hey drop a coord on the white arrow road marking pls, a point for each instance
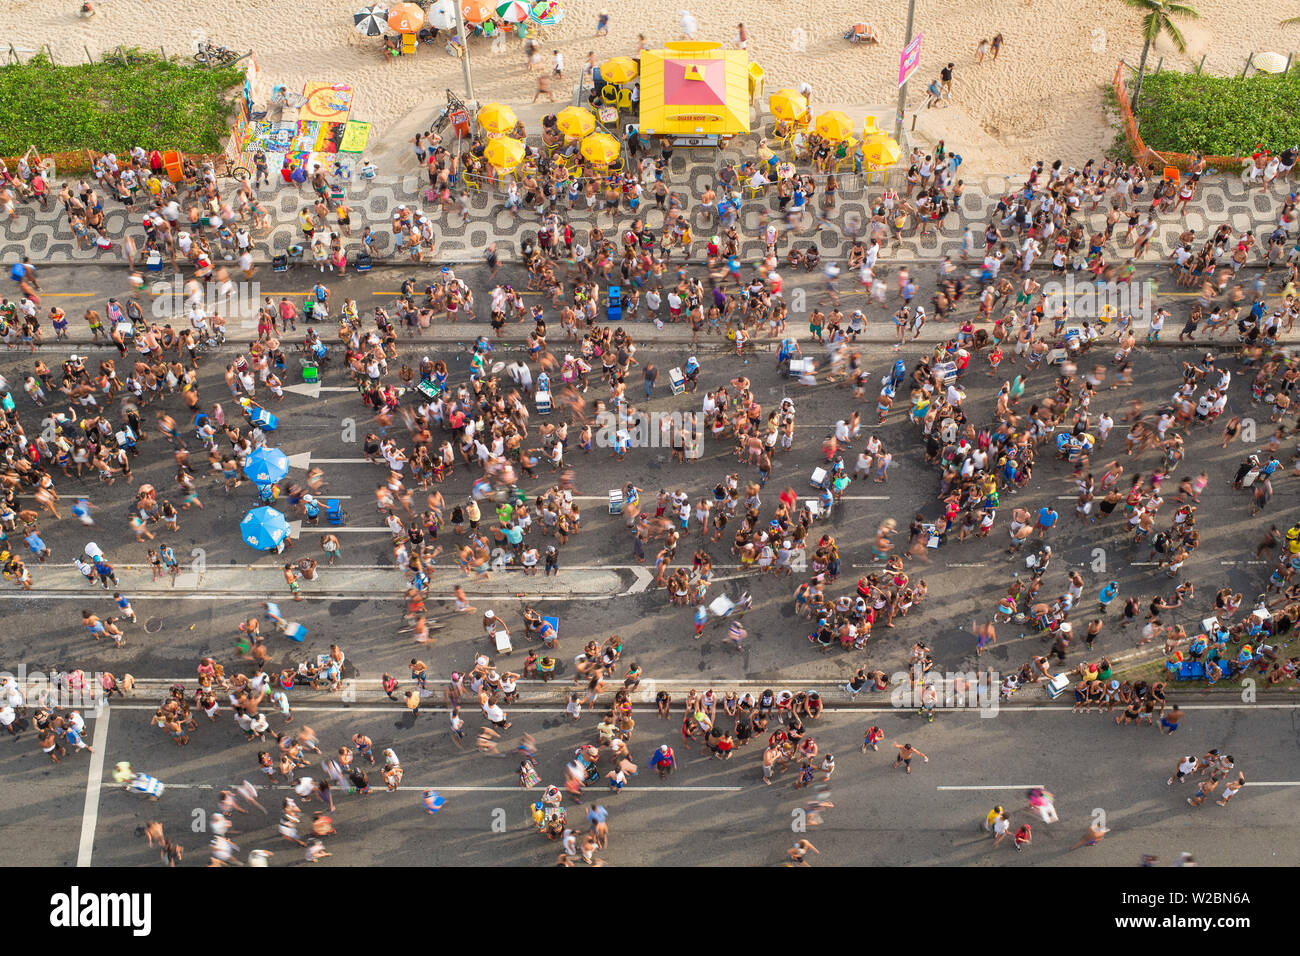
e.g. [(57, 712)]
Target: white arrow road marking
[(94, 779), (643, 579)]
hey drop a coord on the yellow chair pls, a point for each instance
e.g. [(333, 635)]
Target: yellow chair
[(609, 94), (409, 42), (751, 190)]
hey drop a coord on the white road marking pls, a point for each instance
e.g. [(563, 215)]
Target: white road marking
[(94, 780), (999, 786), (447, 789)]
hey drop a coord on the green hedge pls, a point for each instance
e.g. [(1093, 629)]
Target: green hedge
[(111, 106), (1220, 116)]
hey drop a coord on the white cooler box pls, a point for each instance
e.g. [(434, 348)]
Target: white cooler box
[(676, 380), (818, 478), (1058, 686), (616, 501), (543, 400)]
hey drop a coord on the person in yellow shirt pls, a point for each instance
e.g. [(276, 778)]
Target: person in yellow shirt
[(990, 818)]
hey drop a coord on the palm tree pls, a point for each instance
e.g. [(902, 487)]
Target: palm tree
[(1292, 20), (1156, 22)]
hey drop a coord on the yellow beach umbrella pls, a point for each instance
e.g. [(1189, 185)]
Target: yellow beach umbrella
[(880, 150), (787, 104), (575, 122), (834, 125), (600, 148), (497, 118), (619, 69), (504, 153)]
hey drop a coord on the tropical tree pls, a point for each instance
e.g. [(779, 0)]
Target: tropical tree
[(1158, 20)]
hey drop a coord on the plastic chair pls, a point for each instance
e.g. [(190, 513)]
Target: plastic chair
[(609, 95), (625, 99)]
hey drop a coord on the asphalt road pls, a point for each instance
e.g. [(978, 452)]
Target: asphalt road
[(356, 606)]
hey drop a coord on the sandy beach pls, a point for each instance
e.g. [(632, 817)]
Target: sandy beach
[(1041, 99)]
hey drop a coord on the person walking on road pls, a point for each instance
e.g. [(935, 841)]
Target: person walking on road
[(905, 754)]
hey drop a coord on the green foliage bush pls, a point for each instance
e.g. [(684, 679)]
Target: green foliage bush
[(1219, 116), (111, 106)]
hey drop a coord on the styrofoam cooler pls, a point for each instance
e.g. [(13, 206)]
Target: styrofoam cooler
[(263, 419), (818, 478), (676, 380), (616, 501), (799, 366), (295, 631), (1057, 686), (721, 606), (502, 637), (543, 402)]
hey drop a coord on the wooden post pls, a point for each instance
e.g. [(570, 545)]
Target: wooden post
[(1287, 68), (1200, 65), (1249, 60), (89, 59)]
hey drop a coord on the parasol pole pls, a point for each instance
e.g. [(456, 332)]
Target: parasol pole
[(902, 90), (464, 58)]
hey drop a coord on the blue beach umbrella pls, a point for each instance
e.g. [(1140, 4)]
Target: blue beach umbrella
[(266, 466), (264, 529)]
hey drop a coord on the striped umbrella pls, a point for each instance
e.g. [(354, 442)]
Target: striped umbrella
[(513, 11), (372, 21), (547, 12)]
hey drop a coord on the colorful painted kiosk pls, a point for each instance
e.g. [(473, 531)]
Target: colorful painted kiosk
[(697, 94)]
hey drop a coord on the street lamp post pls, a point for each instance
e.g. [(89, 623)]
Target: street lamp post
[(902, 90), (464, 53)]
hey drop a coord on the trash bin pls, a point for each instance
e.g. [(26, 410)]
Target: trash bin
[(174, 166)]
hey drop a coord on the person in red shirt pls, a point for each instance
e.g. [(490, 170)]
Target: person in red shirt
[(1023, 836), (40, 190)]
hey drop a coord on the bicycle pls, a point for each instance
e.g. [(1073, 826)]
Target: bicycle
[(212, 54), (226, 169)]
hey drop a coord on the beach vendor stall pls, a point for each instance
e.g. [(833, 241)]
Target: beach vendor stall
[(697, 94)]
